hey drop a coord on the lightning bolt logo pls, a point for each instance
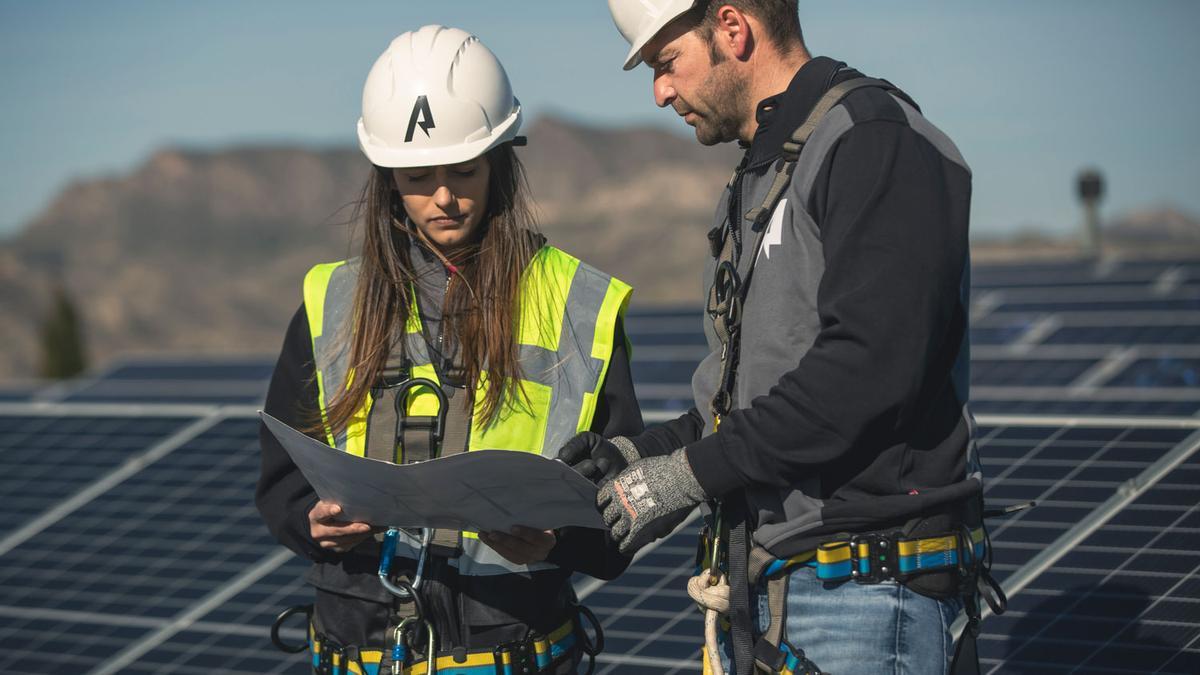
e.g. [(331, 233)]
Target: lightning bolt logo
[(774, 230), (421, 116)]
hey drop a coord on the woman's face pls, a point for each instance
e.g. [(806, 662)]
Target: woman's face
[(447, 202)]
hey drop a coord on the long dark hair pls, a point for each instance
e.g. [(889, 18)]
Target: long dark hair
[(481, 306)]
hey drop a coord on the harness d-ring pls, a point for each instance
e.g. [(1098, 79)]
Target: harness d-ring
[(439, 423), (286, 614)]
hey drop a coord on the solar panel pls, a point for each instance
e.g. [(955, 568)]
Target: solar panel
[(153, 545), (45, 459), (62, 642), (232, 652), (229, 381), (1028, 372), (1068, 470), (1164, 371), (1084, 407), (1150, 302), (249, 614), (169, 568), (234, 636), (650, 623), (18, 393), (1126, 335), (1126, 599), (1067, 273)]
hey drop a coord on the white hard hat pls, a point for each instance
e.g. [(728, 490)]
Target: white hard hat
[(436, 96), (639, 20)]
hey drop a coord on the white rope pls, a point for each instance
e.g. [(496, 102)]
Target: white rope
[(712, 595)]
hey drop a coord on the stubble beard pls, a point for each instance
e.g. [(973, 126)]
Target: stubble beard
[(721, 99)]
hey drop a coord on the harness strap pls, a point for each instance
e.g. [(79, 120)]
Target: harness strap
[(739, 590), (381, 422), (538, 654), (832, 97), (448, 543)]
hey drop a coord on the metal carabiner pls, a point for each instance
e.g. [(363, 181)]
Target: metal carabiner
[(431, 656), (399, 651), (714, 561), (388, 553), (727, 282)]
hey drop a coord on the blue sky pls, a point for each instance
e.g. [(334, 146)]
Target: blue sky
[(1031, 90)]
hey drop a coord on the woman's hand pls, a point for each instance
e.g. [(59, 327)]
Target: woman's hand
[(331, 533), (521, 545)]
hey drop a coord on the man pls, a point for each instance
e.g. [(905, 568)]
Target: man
[(831, 412)]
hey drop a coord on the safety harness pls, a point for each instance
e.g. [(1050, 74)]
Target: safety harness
[(416, 648), (728, 565), (408, 654)]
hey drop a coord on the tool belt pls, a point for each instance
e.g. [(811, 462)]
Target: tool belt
[(535, 654)]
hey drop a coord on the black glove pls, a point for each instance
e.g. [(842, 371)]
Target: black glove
[(598, 458)]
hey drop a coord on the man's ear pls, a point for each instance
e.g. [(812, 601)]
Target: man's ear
[(732, 32)]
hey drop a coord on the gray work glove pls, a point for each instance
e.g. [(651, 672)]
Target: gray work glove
[(599, 459), (649, 499)]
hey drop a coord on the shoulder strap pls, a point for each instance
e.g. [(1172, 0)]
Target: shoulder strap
[(794, 145)]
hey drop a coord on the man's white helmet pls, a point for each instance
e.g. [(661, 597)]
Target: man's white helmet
[(639, 20), (436, 96)]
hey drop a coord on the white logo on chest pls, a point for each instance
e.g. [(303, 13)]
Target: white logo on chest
[(774, 236)]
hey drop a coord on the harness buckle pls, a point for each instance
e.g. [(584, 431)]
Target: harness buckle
[(522, 654), (327, 664), (881, 560)]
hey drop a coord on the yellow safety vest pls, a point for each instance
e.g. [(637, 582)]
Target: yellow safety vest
[(567, 316)]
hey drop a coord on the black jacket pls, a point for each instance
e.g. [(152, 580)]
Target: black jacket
[(850, 412)]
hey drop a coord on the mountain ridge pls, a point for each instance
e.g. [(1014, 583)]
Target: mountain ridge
[(204, 250)]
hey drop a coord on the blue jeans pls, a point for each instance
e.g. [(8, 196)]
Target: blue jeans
[(851, 629)]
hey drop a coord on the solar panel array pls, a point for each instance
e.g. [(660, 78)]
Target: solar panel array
[(137, 547)]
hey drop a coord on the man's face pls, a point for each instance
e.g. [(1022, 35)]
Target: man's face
[(699, 81)]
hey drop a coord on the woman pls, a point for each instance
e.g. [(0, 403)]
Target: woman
[(453, 292)]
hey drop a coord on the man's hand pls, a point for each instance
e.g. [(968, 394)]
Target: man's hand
[(649, 499), (331, 533), (598, 458), (522, 545)]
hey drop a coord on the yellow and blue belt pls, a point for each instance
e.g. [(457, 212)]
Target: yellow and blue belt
[(876, 557), (502, 660)]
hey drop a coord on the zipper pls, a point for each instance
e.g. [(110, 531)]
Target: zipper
[(442, 323), (735, 208)]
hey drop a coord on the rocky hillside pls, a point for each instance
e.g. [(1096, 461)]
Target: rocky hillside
[(204, 251)]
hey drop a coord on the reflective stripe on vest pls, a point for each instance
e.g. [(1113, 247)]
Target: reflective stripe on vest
[(568, 313)]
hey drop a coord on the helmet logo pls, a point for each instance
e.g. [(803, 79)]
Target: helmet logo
[(421, 115)]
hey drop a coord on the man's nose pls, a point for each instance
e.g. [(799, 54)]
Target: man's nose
[(664, 93)]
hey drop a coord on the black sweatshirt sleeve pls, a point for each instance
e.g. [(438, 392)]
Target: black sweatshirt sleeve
[(283, 496), (894, 258), (665, 438), (590, 551)]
